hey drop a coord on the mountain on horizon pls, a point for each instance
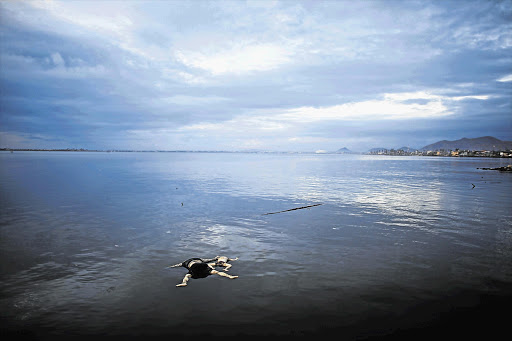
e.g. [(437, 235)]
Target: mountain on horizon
[(407, 149), (479, 143), (376, 150), (344, 150)]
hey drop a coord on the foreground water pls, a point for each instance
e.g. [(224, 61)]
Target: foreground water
[(399, 244)]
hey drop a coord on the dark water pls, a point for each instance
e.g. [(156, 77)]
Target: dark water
[(400, 246)]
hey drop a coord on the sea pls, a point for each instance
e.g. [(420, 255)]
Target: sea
[(395, 246)]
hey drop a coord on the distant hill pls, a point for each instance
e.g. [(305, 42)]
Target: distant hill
[(407, 149), (344, 150), (479, 143)]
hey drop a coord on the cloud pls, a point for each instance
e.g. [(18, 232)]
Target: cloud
[(53, 66), (238, 59), (392, 106), (106, 19), (8, 139), (24, 140), (301, 128), (184, 76), (478, 97), (213, 75), (507, 78), (57, 59), (241, 125), (186, 100)]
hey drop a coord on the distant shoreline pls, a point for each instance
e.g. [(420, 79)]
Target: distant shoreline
[(486, 154)]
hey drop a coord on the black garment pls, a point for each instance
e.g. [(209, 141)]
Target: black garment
[(197, 270), (188, 261)]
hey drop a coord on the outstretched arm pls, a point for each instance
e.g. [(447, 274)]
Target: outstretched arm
[(175, 265), (185, 280), (231, 259), (223, 274)]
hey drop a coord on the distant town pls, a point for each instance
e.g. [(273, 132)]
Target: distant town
[(442, 152), (486, 146)]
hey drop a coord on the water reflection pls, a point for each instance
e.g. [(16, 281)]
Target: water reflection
[(92, 257), (408, 206), (309, 179)]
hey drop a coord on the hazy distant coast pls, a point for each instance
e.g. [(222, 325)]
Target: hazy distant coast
[(486, 146), (446, 153)]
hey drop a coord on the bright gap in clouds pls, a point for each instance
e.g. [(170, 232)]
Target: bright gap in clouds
[(396, 106), (238, 59), (393, 106), (507, 78)]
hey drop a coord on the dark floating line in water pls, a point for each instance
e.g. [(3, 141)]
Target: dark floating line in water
[(501, 169), (293, 209)]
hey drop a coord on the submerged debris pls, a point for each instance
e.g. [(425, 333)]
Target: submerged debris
[(293, 209)]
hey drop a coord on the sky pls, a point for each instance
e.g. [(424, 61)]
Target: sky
[(253, 75)]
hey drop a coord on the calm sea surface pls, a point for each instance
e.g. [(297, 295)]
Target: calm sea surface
[(399, 244)]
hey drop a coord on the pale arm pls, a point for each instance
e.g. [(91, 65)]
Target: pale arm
[(185, 280), (223, 274)]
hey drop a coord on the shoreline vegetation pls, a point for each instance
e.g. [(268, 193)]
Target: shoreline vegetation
[(388, 152)]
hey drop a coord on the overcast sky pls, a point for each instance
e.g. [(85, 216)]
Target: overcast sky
[(245, 75)]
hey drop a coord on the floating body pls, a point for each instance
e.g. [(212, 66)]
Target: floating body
[(201, 268)]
